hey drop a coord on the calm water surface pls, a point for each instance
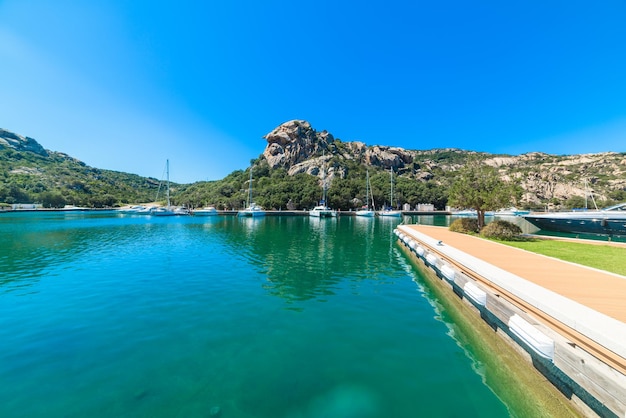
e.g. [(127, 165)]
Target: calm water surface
[(107, 315)]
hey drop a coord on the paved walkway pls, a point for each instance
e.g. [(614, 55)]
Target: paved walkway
[(601, 291)]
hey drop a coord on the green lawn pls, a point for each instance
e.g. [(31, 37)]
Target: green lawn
[(603, 257)]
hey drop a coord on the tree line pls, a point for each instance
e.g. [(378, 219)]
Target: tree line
[(276, 189)]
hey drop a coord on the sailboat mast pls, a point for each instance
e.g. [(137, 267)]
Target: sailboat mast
[(367, 189), (250, 189), (323, 202), (391, 180), (167, 170)]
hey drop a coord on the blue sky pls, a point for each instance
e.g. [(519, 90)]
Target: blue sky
[(125, 85)]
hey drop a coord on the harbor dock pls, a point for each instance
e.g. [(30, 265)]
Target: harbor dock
[(568, 319)]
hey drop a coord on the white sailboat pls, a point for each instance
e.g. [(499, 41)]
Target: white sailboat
[(321, 210), (367, 212), (252, 209), (389, 211), (165, 211)]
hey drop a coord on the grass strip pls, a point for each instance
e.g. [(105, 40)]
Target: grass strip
[(599, 256)]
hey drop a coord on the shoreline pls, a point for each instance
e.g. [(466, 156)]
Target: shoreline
[(219, 212)]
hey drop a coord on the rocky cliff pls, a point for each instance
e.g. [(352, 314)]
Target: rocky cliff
[(297, 147), (20, 143)]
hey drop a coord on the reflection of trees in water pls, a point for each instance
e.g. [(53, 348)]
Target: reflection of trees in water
[(305, 258), (296, 254)]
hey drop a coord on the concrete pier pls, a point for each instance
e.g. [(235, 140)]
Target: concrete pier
[(568, 319)]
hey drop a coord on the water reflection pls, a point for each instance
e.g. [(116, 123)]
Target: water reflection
[(307, 258)]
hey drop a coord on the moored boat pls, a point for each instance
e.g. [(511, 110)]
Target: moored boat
[(162, 211), (321, 210), (168, 210), (512, 211), (609, 221), (252, 209), (389, 211), (205, 211), (365, 211), (133, 210)]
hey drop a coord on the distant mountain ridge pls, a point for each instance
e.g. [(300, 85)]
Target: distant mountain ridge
[(295, 148)]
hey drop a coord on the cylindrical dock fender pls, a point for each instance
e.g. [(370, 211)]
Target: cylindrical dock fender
[(475, 293), (431, 259), (448, 272), (535, 339)]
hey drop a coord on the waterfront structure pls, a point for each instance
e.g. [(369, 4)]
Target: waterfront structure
[(569, 319)]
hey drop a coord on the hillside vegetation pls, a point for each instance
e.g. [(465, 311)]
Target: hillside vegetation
[(295, 165), (276, 189), (56, 179)]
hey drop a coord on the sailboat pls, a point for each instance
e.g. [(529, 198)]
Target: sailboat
[(367, 212), (252, 209), (389, 211), (321, 210), (166, 211)]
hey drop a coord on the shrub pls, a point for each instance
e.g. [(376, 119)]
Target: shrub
[(503, 230), (465, 225)]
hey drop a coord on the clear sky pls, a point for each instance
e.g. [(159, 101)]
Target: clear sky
[(125, 85)]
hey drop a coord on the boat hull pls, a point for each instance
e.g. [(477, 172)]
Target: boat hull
[(390, 213), (582, 225), (322, 212), (205, 212), (250, 213)]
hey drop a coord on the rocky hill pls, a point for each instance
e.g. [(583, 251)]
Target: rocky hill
[(298, 148), (20, 143)]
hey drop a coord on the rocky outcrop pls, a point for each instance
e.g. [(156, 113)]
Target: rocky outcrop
[(298, 148), (294, 142), (545, 177), (20, 143), (388, 157)]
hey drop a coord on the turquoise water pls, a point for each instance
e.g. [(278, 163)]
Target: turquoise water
[(107, 315)]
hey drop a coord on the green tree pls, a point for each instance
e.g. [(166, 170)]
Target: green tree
[(480, 187), (52, 200), (575, 202)]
